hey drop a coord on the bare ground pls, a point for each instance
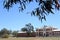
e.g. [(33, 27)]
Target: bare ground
[(31, 38)]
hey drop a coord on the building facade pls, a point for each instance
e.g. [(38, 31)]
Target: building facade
[(46, 31), (24, 34)]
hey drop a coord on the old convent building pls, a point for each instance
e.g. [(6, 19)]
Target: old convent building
[(46, 31)]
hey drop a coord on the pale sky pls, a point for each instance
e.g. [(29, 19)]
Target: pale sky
[(15, 20)]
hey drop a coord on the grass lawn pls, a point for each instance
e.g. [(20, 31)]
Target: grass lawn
[(31, 38)]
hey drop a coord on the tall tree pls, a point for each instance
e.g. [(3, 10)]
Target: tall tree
[(4, 31), (14, 33), (24, 29), (45, 6), (28, 28)]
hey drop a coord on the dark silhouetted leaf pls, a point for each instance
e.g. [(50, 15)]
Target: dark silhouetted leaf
[(45, 6)]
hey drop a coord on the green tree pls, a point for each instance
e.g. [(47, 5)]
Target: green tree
[(14, 33), (44, 8), (28, 28), (4, 31), (0, 33), (24, 29)]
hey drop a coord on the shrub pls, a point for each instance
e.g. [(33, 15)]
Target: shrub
[(5, 36)]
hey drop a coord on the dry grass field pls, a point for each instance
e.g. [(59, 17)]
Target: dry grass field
[(31, 38)]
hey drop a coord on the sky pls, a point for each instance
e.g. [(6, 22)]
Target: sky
[(15, 20)]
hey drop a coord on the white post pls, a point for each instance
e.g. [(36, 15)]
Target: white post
[(44, 31), (38, 32)]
